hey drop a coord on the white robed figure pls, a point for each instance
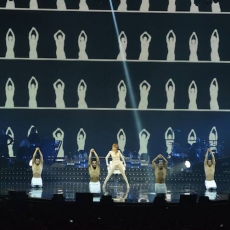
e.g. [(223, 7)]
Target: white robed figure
[(122, 40), (144, 6), (193, 47), (9, 89), (169, 140), (145, 40), (33, 89), (144, 93), (82, 40), (29, 130), (214, 42), (33, 4), (193, 7), (10, 133), (214, 95), (10, 4), (216, 7), (213, 139), (10, 42), (61, 5), (144, 136), (122, 6), (171, 44), (59, 87), (192, 137), (58, 135), (81, 137), (171, 5), (192, 94), (33, 42), (121, 139), (83, 5), (59, 38), (122, 91), (81, 91), (170, 93)]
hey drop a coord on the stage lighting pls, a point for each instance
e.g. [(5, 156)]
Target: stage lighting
[(187, 164)]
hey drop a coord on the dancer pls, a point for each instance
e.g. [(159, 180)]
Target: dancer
[(144, 136), (37, 166), (215, 46), (59, 87), (58, 134), (213, 138), (145, 39), (5, 140), (82, 40), (122, 6), (61, 5), (193, 46), (192, 94), (214, 95), (122, 41), (144, 6), (193, 7), (33, 89), (116, 163), (216, 7), (122, 91), (33, 137), (169, 140), (170, 93), (192, 137), (144, 93), (160, 171), (94, 172), (209, 169), (10, 42), (33, 42), (83, 5), (81, 137), (171, 44), (10, 4), (121, 139), (33, 4), (9, 89), (81, 91), (59, 38), (10, 133), (172, 6)]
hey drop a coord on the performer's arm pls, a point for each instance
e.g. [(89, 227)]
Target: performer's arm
[(206, 157), (154, 162), (106, 158), (166, 162), (90, 157), (213, 158), (41, 156), (34, 155), (97, 157), (123, 159)]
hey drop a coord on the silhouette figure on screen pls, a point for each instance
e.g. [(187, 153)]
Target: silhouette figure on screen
[(216, 7), (144, 136), (170, 93), (81, 91), (58, 135), (122, 91), (61, 5), (121, 139), (169, 140), (5, 140), (31, 129), (33, 42), (122, 40), (122, 6), (193, 46), (172, 6), (171, 44), (33, 4), (83, 5), (10, 143), (82, 40), (59, 87), (192, 94), (9, 89), (10, 42), (59, 38), (144, 6), (33, 138), (145, 39), (214, 95), (33, 89), (10, 4), (192, 137), (144, 93), (193, 7), (215, 46), (213, 139), (81, 137)]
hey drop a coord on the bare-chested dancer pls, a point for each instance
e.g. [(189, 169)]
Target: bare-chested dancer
[(37, 166)]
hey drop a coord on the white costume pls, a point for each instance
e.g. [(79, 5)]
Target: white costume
[(160, 188), (36, 182), (95, 187), (210, 184)]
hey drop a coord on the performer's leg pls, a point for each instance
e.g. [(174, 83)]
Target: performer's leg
[(120, 166), (112, 169)]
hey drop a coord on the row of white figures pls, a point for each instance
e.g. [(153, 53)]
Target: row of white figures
[(144, 87), (215, 6)]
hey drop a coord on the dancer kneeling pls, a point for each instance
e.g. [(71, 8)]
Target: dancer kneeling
[(37, 166), (116, 163)]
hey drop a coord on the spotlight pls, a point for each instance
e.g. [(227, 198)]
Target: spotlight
[(187, 164)]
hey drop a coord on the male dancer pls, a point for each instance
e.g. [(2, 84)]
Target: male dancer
[(37, 166)]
